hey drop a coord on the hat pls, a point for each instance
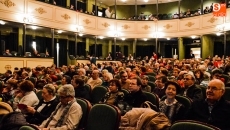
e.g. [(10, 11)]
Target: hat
[(5, 108)]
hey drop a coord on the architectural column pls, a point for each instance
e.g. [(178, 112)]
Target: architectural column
[(122, 49), (20, 36), (87, 46), (24, 39), (181, 48), (207, 46), (134, 47), (105, 50), (110, 46), (68, 3)]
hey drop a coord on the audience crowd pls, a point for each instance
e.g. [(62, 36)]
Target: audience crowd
[(46, 96)]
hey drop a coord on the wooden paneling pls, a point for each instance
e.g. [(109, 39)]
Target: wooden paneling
[(126, 26), (87, 21), (189, 23), (42, 10), (62, 15), (12, 5), (210, 21), (168, 25), (143, 26)]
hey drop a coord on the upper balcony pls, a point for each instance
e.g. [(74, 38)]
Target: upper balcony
[(42, 14)]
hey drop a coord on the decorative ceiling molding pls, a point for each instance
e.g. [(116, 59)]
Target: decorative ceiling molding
[(65, 16), (212, 20), (189, 24), (105, 25), (8, 3), (126, 26), (40, 10), (167, 26), (146, 27), (86, 21)]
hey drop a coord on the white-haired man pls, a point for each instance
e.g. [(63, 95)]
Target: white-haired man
[(67, 114)]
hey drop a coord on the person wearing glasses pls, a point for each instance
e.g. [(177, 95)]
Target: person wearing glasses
[(67, 114), (124, 79), (214, 109), (190, 89)]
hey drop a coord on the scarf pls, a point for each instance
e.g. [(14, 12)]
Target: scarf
[(60, 121)]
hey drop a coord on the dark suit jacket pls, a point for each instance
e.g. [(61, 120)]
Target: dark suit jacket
[(219, 116), (39, 117), (193, 92), (135, 99)]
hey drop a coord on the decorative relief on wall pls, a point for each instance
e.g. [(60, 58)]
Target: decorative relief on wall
[(40, 10), (8, 67), (7, 3), (167, 26), (125, 26), (146, 27), (212, 20), (65, 16), (189, 24), (105, 25), (86, 21)]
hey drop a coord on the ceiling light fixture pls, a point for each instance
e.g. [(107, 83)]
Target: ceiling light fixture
[(193, 37), (218, 34), (59, 31), (146, 0), (2, 22), (101, 37), (80, 34), (34, 27), (122, 39), (145, 39), (168, 38)]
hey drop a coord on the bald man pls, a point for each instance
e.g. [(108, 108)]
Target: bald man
[(94, 80), (214, 110)]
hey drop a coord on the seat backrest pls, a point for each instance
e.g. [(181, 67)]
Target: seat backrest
[(227, 93), (151, 97), (98, 93), (89, 89), (125, 91), (192, 125), (152, 85), (151, 78), (86, 107), (203, 89), (103, 117)]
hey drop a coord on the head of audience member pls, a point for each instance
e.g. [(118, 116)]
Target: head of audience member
[(171, 89), (7, 51), (107, 77), (215, 90), (95, 74), (135, 84), (189, 80), (8, 73), (66, 94), (124, 76), (24, 75), (160, 81), (81, 72), (144, 80), (12, 84), (26, 86), (176, 72), (76, 82), (114, 85), (48, 92), (163, 72), (128, 70), (66, 80), (198, 74), (217, 73)]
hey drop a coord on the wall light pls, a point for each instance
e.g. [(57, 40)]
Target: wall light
[(122, 39), (34, 27), (168, 38), (2, 22), (59, 31), (193, 37), (145, 39), (80, 34), (101, 37), (218, 34)]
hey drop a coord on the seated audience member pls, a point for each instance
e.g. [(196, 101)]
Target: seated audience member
[(160, 86), (80, 90), (173, 109), (45, 107), (114, 95), (9, 90), (35, 53), (106, 78), (199, 76), (7, 53), (214, 109), (67, 114), (94, 80), (26, 95), (206, 10), (136, 97), (145, 86), (7, 76), (190, 89), (125, 82)]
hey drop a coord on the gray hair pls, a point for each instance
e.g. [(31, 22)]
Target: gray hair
[(193, 77), (51, 89), (82, 70), (67, 90)]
